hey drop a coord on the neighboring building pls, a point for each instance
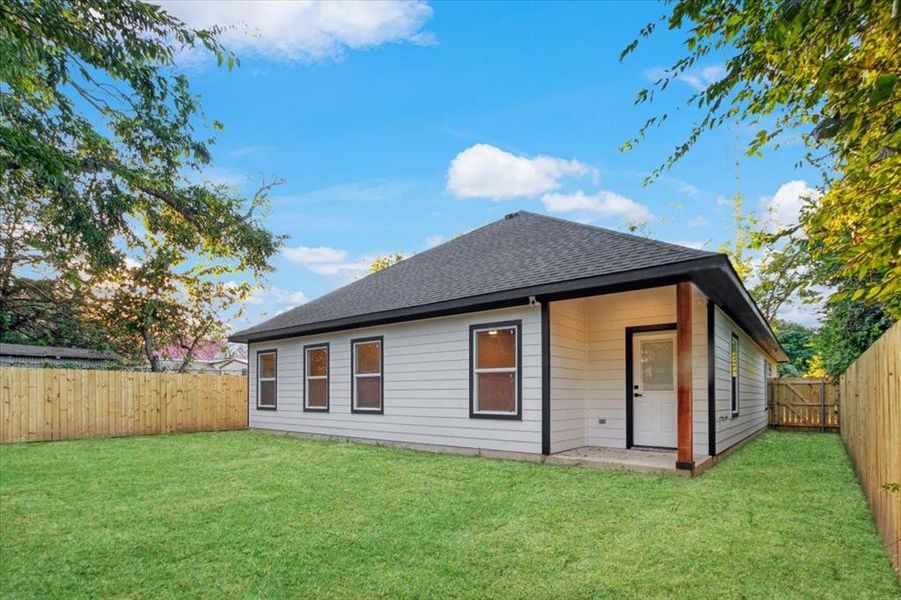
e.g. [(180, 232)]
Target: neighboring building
[(23, 355), (529, 335), (210, 356)]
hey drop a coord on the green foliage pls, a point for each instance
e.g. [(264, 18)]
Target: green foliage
[(98, 131), (244, 514), (102, 151), (43, 312), (797, 340), (828, 69), (383, 262), (739, 249), (847, 330)]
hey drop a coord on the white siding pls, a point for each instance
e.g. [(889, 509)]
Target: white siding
[(751, 384), (599, 323), (569, 365), (426, 386)]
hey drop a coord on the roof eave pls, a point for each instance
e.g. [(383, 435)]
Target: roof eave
[(665, 274)]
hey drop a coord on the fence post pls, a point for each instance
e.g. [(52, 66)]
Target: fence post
[(822, 405)]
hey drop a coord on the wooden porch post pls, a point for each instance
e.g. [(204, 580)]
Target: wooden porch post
[(685, 442)]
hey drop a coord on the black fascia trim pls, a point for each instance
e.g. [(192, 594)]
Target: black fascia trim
[(275, 406), (545, 377), (353, 362), (622, 281), (630, 376), (711, 378), (749, 300), (517, 416), (328, 378)]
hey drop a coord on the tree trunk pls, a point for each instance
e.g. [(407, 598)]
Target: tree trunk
[(152, 356)]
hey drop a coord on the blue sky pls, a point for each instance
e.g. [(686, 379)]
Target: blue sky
[(398, 125)]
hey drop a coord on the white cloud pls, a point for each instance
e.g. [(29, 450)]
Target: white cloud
[(783, 209), (698, 221), (310, 30), (688, 243), (805, 314), (324, 260), (698, 79), (721, 200), (434, 240), (304, 255), (602, 203), (484, 171), (276, 296)]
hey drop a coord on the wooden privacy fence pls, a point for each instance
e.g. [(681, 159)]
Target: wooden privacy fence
[(63, 404), (871, 431), (803, 402)]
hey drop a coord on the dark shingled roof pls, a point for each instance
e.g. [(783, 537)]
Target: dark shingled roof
[(522, 251), (56, 352)]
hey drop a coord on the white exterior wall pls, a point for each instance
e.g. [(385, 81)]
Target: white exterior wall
[(609, 317), (569, 371), (426, 378), (751, 384), (426, 386)]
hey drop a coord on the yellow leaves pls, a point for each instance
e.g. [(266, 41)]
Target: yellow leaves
[(816, 368)]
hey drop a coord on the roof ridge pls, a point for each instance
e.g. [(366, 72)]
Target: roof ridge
[(621, 234)]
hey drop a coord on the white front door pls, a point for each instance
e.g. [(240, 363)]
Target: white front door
[(654, 389)]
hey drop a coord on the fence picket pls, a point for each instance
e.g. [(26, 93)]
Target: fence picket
[(871, 431), (56, 404)]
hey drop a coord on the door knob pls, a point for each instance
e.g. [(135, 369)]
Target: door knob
[(636, 395)]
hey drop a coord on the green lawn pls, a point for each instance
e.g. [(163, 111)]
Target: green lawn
[(249, 514)]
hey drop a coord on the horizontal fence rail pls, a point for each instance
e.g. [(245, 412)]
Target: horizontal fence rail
[(803, 402), (871, 431), (63, 404)]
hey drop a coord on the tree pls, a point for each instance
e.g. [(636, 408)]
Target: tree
[(847, 330), (739, 250), (797, 340), (165, 302), (829, 69), (383, 262), (103, 147), (99, 133)]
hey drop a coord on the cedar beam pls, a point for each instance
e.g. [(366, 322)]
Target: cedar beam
[(685, 441)]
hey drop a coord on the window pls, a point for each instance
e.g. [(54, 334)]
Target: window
[(316, 382), (733, 372), (366, 370), (267, 379), (495, 352)]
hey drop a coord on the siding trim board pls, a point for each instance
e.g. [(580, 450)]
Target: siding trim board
[(545, 377), (353, 342), (328, 378), (256, 377), (711, 378), (630, 376), (473, 414)]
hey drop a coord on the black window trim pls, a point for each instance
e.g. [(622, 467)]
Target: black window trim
[(257, 377), (328, 377), (353, 375), (517, 325), (735, 397)]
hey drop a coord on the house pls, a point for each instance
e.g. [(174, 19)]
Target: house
[(528, 337), (209, 356), (25, 355)]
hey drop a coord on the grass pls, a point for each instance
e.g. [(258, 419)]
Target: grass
[(250, 514)]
